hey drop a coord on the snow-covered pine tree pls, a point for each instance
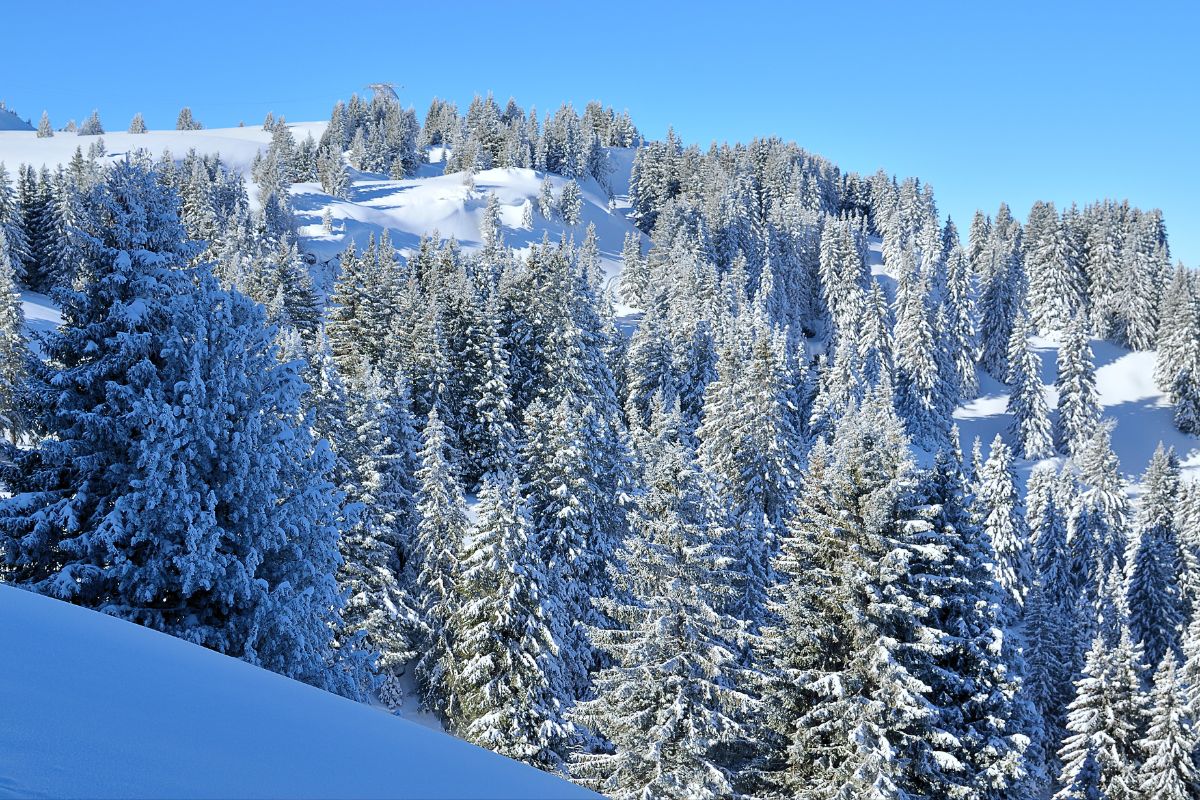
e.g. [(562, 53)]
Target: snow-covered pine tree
[(1051, 611), (13, 350), (919, 384), (848, 713), (1078, 400), (137, 124), (505, 637), (185, 121), (960, 318), (44, 129), (669, 708), (1171, 743), (91, 126), (380, 441), (570, 203), (437, 547), (177, 485), (1055, 282), (1030, 427), (998, 509), (980, 740), (1107, 716), (748, 449), (1002, 290), (1158, 608)]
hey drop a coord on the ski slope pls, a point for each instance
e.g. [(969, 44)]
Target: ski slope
[(93, 706)]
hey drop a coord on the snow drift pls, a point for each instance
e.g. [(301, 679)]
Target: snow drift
[(93, 706)]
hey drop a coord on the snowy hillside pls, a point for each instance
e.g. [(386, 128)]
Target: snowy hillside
[(407, 209), (9, 121), (1127, 391), (97, 707)]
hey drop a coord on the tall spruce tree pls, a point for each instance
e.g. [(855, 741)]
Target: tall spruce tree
[(669, 709), (1078, 400)]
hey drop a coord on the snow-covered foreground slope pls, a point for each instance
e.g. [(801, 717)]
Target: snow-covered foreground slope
[(92, 706)]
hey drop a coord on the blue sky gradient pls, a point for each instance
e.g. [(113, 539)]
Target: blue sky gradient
[(986, 101)]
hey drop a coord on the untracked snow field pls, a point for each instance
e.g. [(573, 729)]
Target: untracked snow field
[(93, 706)]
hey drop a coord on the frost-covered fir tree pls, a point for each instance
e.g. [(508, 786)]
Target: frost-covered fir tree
[(1056, 286), (1051, 613), (185, 121), (1078, 400), (1002, 289), (1030, 427), (437, 546), (1171, 743), (13, 352), (748, 450), (960, 319), (137, 124), (44, 129), (1104, 497), (177, 484), (91, 126), (845, 699), (506, 630), (546, 198), (919, 381), (380, 446), (1105, 720), (669, 710), (998, 507), (570, 203), (1158, 608)]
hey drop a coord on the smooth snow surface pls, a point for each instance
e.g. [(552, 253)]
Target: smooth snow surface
[(9, 121), (93, 706)]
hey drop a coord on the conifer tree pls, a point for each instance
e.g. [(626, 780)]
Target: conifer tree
[(1026, 403), (570, 203), (137, 124), (1106, 717), (13, 352), (44, 129), (1171, 742), (380, 446), (437, 544), (848, 711), (1055, 282), (505, 637), (91, 126), (960, 319), (1157, 606), (176, 484), (669, 705), (996, 494), (919, 385), (185, 121), (1078, 401)]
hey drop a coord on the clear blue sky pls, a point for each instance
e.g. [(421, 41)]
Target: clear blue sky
[(986, 101)]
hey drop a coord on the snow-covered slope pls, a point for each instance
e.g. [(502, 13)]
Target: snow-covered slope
[(237, 146), (407, 209), (9, 121), (92, 706), (1142, 413)]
